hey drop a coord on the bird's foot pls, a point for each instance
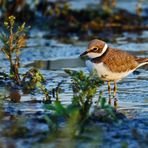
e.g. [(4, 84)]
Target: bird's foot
[(115, 102), (109, 101)]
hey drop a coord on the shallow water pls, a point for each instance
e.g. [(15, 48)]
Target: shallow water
[(52, 57)]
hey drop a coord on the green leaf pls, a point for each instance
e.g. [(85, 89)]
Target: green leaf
[(60, 109), (50, 107)]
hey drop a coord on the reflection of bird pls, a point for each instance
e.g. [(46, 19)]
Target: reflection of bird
[(112, 64)]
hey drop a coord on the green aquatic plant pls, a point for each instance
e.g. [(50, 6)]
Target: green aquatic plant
[(81, 109), (56, 91), (33, 79), (84, 88), (13, 40)]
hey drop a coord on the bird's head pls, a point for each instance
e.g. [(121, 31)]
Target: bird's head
[(96, 48)]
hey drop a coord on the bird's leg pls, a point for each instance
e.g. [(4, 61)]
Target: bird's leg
[(115, 91), (109, 92)]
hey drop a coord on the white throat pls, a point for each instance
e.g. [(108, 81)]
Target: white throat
[(95, 55)]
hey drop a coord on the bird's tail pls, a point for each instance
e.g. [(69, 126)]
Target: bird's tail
[(142, 61)]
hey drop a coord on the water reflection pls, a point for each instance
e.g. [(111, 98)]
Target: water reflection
[(58, 63)]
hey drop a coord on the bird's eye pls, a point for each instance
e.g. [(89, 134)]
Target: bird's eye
[(95, 49)]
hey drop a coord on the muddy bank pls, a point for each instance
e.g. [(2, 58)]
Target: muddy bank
[(63, 20)]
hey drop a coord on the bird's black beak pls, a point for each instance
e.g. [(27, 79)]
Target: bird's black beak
[(84, 53)]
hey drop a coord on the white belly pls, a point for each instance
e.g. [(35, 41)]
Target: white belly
[(105, 74)]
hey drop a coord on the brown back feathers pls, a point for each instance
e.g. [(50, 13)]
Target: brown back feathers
[(117, 60)]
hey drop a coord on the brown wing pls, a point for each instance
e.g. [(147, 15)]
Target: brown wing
[(119, 61), (142, 60)]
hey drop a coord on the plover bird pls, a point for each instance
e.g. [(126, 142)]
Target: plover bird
[(112, 64)]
